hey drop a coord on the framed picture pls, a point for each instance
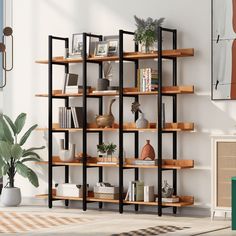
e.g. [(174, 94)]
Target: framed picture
[(101, 49), (223, 41), (77, 44), (113, 44)]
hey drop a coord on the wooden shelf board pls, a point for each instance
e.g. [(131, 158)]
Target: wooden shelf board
[(127, 55), (184, 201), (132, 91), (167, 164)]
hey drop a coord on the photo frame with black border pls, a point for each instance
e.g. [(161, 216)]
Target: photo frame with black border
[(113, 44), (101, 49), (77, 44)]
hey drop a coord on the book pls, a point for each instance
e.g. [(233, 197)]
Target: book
[(148, 193), (105, 91), (145, 162), (136, 191)]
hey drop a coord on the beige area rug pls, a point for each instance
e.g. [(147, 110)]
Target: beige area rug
[(60, 221)]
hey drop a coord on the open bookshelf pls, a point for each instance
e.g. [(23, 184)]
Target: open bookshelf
[(173, 163)]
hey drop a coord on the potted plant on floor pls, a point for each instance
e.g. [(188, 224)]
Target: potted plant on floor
[(13, 157)]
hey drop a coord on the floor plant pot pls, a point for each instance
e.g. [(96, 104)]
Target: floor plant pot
[(11, 197)]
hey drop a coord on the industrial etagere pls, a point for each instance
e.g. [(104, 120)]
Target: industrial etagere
[(85, 130)]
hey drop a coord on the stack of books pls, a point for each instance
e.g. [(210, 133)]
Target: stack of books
[(145, 162), (135, 191), (172, 199), (147, 80), (70, 117)]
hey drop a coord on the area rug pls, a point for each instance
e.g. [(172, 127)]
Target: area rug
[(152, 231), (20, 222)]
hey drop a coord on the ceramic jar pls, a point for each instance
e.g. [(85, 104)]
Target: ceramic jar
[(102, 84), (141, 122), (148, 151), (66, 155)]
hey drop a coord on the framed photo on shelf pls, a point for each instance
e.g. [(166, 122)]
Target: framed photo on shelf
[(113, 44), (101, 49), (77, 44)]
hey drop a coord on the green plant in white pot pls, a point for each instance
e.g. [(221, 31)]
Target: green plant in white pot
[(13, 157)]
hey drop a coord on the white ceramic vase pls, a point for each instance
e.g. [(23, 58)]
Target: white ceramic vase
[(141, 122), (11, 197), (67, 155)]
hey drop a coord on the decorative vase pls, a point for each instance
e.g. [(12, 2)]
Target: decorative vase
[(11, 197), (167, 191), (147, 47), (141, 122), (67, 155), (148, 151), (102, 84)]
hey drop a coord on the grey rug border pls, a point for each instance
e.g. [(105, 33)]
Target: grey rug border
[(211, 231)]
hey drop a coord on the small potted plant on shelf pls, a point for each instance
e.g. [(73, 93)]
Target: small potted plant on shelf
[(13, 157), (146, 32), (111, 148)]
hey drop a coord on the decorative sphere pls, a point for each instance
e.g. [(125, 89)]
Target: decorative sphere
[(7, 31)]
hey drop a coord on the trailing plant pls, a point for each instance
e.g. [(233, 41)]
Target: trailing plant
[(146, 32), (13, 156)]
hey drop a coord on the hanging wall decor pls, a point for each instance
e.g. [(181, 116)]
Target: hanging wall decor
[(223, 84), (7, 52)]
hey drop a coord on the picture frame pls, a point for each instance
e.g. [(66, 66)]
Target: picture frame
[(113, 44), (77, 44), (71, 82), (101, 49)]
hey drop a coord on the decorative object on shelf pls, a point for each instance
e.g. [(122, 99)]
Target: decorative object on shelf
[(147, 151), (71, 83), (113, 44), (106, 150), (148, 193), (103, 83), (101, 49), (106, 191), (146, 32), (107, 120), (70, 190), (167, 190), (147, 80), (13, 157), (66, 155), (77, 45), (141, 122)]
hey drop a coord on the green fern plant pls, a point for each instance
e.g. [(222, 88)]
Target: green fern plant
[(146, 32), (12, 154)]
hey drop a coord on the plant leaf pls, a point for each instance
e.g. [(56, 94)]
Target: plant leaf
[(33, 178), (30, 150), (27, 134), (30, 159), (4, 169), (20, 122), (5, 150), (33, 154), (10, 122), (7, 135), (22, 169), (16, 151)]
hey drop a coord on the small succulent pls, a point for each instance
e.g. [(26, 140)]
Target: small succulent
[(111, 147), (106, 148), (101, 148), (135, 107), (146, 32)]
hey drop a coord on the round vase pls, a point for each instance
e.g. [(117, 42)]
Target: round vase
[(11, 197), (148, 151), (102, 84), (141, 122)]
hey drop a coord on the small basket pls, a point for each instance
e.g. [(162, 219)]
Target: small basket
[(107, 196)]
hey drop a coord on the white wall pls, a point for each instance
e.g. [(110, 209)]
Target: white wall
[(34, 20)]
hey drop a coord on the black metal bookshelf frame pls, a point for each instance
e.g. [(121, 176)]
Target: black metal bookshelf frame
[(160, 131)]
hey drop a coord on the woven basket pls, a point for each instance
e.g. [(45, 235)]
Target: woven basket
[(107, 196)]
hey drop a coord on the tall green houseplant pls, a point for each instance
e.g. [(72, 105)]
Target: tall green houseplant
[(13, 157)]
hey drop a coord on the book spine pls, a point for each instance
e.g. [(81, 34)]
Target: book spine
[(130, 191)]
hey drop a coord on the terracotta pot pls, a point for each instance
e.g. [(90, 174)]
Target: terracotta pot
[(148, 151)]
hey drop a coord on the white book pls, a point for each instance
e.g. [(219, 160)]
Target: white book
[(127, 194), (75, 120), (105, 91)]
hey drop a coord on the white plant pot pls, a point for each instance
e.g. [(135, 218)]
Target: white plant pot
[(11, 197)]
